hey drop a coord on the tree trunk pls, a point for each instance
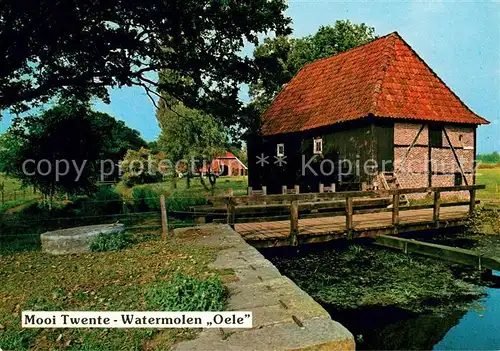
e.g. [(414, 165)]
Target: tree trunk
[(51, 197), (212, 179), (202, 181)]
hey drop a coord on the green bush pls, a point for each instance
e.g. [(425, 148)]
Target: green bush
[(187, 293), (178, 203), (105, 201), (110, 242), (133, 174), (145, 199), (484, 221)]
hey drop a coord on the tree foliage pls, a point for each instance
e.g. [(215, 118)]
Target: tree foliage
[(82, 47), (59, 150), (142, 167), (494, 157), (190, 135), (121, 138), (280, 58)]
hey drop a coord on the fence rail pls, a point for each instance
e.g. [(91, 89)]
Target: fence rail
[(349, 207)]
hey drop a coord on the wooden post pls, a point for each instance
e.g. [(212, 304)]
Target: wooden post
[(297, 189), (348, 216), (231, 192), (472, 205), (321, 188), (264, 193), (164, 219), (332, 187), (231, 213), (284, 191), (250, 191), (437, 207), (395, 210), (294, 222)]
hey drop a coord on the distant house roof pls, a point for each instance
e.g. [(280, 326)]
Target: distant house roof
[(383, 78), (228, 160), (229, 156)]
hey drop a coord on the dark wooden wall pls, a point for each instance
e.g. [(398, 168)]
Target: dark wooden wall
[(356, 141)]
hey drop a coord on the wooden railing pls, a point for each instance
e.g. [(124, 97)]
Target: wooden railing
[(232, 203)]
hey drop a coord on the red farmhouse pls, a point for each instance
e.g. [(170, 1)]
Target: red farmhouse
[(376, 111)]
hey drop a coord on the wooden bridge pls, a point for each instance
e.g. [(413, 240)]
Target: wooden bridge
[(318, 217)]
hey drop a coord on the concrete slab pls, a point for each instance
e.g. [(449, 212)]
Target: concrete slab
[(315, 334), (284, 316), (234, 258), (256, 274)]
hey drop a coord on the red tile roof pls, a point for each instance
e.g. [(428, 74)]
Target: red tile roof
[(384, 78), (228, 154)]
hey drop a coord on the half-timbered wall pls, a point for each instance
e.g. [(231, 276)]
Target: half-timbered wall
[(352, 141), (412, 155), (419, 154)]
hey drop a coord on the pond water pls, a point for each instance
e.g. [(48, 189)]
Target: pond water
[(390, 328), (476, 329), (393, 327)]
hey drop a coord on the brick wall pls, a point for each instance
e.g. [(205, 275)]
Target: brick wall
[(413, 171), (405, 133)]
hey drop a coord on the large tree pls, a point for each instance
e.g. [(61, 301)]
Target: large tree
[(190, 135), (281, 57), (60, 149), (119, 137), (82, 47)]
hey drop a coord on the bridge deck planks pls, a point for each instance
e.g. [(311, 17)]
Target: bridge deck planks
[(364, 224)]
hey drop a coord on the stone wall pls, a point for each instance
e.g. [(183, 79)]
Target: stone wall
[(284, 316)]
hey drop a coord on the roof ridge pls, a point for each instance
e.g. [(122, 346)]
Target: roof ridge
[(350, 50), (439, 78), (384, 78), (377, 88), (284, 86)]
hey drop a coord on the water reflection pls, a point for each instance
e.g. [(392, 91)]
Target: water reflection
[(391, 328), (477, 330)]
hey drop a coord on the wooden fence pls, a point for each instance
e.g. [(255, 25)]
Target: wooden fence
[(349, 199)]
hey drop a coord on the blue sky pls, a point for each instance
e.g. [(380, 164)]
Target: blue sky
[(459, 40)]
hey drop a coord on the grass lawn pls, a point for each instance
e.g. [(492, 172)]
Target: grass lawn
[(107, 281), (10, 184), (490, 178), (179, 187), (13, 195)]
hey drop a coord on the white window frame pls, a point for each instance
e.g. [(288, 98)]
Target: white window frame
[(282, 153), (317, 142)]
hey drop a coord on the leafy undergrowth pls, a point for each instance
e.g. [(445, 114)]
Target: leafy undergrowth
[(484, 221), (359, 276), (187, 293), (104, 281), (110, 242), (490, 178)]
